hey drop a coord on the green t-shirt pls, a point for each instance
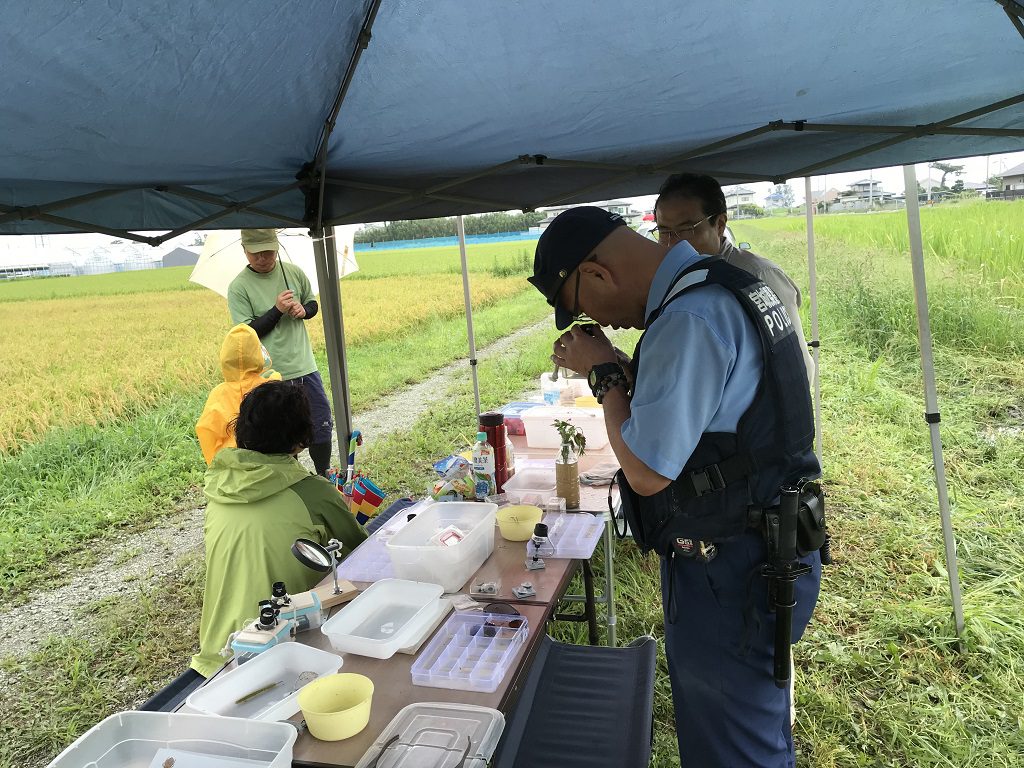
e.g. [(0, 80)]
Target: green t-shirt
[(252, 293)]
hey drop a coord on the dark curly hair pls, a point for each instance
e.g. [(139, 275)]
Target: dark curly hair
[(274, 418), (699, 186)]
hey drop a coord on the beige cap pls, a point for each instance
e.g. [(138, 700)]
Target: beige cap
[(257, 240)]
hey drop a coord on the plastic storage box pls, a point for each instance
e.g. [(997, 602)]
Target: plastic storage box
[(281, 664), (414, 556), (384, 619), (471, 652), (439, 735), (134, 739), (541, 433), (531, 486)]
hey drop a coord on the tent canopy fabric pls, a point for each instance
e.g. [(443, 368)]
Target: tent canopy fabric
[(168, 117)]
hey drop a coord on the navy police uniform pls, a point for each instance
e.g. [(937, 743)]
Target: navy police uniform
[(720, 403)]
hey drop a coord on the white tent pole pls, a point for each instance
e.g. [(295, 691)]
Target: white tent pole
[(812, 269), (931, 399), (461, 229)]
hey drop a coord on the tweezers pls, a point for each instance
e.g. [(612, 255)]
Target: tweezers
[(393, 739)]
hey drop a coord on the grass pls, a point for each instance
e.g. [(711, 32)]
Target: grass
[(113, 284)]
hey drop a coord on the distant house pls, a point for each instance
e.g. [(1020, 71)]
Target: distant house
[(861, 195), (824, 196), (620, 207), (737, 196), (180, 257), (1013, 178)]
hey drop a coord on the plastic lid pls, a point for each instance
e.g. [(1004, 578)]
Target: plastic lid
[(438, 734), (481, 437), (492, 419)]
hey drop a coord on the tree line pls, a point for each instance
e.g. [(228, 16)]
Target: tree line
[(485, 224)]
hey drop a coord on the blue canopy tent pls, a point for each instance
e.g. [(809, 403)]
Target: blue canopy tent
[(129, 118)]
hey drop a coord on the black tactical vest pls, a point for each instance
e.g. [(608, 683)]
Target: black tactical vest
[(729, 474)]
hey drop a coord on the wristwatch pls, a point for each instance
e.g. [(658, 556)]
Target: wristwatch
[(604, 377)]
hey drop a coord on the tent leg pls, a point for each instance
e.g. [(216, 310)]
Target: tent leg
[(930, 394), (326, 254), (812, 269), (461, 229)]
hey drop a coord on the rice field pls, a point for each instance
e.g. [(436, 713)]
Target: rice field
[(90, 358)]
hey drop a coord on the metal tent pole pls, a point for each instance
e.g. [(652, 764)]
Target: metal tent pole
[(930, 395), (461, 229), (812, 269), (334, 332)]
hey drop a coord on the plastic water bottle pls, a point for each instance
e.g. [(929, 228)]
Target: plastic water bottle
[(483, 467)]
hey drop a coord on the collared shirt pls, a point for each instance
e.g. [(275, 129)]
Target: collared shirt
[(699, 369)]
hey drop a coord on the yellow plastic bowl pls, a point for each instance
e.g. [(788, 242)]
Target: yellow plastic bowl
[(516, 522), (336, 707)]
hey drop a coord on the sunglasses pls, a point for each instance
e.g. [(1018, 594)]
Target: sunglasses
[(497, 619)]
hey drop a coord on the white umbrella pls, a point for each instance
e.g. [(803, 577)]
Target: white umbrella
[(222, 257)]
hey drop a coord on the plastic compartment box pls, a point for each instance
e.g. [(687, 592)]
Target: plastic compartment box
[(541, 433), (415, 557), (383, 619), (367, 562), (283, 663), (471, 652), (133, 739), (437, 734), (574, 535), (531, 486)]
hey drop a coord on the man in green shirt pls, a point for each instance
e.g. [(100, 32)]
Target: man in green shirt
[(275, 299)]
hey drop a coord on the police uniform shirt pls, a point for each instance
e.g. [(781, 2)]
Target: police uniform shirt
[(700, 365)]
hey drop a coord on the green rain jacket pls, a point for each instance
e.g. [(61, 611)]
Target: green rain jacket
[(258, 504)]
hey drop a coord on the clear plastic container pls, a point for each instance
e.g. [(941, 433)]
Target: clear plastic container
[(472, 652), (384, 618), (574, 535), (415, 556), (134, 739), (282, 664), (541, 433), (437, 734), (531, 486)]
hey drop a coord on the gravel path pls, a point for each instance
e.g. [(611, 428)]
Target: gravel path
[(151, 555)]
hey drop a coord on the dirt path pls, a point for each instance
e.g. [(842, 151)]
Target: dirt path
[(149, 556)]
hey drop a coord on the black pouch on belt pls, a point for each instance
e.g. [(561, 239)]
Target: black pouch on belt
[(811, 531)]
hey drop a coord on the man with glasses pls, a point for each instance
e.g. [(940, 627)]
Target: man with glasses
[(715, 419), (692, 207)]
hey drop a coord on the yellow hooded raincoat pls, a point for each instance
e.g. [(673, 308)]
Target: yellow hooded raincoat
[(245, 366)]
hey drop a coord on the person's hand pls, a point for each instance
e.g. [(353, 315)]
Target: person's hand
[(284, 301), (297, 311), (580, 350)]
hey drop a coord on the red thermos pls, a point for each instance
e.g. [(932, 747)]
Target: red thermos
[(493, 424)]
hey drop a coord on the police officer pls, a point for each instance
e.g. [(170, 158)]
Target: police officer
[(708, 420)]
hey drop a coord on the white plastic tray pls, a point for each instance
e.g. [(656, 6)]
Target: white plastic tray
[(283, 663), (133, 739), (415, 557), (470, 654), (531, 486), (384, 618)]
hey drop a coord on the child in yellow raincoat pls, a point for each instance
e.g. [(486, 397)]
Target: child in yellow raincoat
[(245, 365)]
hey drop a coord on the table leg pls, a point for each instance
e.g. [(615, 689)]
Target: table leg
[(590, 605), (609, 576)]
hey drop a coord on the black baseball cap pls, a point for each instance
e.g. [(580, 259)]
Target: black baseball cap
[(564, 245)]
